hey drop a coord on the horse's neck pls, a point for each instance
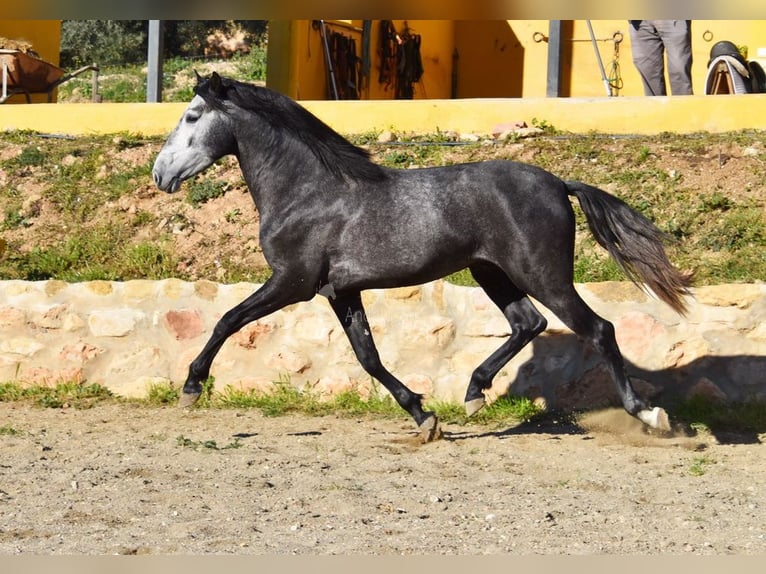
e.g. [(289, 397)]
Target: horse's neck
[(274, 180)]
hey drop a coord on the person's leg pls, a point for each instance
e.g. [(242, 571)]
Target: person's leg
[(648, 57), (677, 37)]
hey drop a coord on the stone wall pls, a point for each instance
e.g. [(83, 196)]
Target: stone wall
[(127, 336)]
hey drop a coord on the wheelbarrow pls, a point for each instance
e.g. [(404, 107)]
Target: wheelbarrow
[(25, 74)]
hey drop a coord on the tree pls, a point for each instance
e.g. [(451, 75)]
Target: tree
[(119, 42)]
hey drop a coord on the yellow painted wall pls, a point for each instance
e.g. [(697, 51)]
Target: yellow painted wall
[(45, 37), (297, 64), (500, 58), (624, 115)]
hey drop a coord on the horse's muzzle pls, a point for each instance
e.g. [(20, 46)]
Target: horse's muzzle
[(170, 185)]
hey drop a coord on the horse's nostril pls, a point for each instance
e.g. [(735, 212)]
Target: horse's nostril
[(156, 177)]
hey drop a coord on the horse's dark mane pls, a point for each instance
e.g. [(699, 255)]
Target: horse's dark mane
[(291, 121)]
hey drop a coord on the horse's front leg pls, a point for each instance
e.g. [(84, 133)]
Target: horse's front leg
[(271, 297)]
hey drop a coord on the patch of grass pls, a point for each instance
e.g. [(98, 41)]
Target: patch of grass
[(721, 230), (148, 260), (94, 253), (505, 410), (11, 391), (462, 278), (30, 156), (66, 394), (6, 430), (283, 399), (351, 403), (14, 217), (716, 201), (699, 413), (202, 190), (251, 67), (700, 465), (123, 87), (544, 125), (644, 153), (162, 394), (128, 83), (593, 266)]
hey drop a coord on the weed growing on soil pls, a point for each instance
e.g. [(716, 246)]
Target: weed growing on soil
[(66, 394), (283, 398), (6, 430), (506, 409), (700, 465), (72, 208)]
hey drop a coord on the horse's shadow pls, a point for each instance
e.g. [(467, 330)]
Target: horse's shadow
[(566, 374)]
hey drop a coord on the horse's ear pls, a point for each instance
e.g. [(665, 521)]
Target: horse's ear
[(199, 78), (216, 84)]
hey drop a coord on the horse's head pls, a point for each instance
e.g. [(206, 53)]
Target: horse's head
[(201, 137)]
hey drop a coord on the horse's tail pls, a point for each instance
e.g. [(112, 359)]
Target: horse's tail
[(634, 242)]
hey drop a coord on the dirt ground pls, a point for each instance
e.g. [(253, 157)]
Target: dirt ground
[(125, 479)]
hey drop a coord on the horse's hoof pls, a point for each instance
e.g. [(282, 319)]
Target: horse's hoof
[(430, 430), (656, 418), (474, 406), (187, 400)]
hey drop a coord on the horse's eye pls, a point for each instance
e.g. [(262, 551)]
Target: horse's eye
[(191, 118)]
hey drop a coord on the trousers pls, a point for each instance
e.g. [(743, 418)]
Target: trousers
[(654, 40)]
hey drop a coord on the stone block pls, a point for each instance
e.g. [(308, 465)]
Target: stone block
[(184, 324), (413, 293), (615, 292), (99, 287), (741, 296), (429, 332), (140, 290), (706, 388), (24, 346), (206, 289), (419, 383), (12, 318), (136, 388), (79, 352), (54, 287), (685, 352), (636, 332), (113, 322), (251, 336), (52, 318), (173, 288), (288, 361)]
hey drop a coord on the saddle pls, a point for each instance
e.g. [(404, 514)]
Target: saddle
[(730, 73)]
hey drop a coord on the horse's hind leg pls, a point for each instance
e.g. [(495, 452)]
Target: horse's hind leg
[(526, 323), (348, 308), (576, 314)]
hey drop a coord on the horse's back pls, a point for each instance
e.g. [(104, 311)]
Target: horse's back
[(425, 223), (497, 192)]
